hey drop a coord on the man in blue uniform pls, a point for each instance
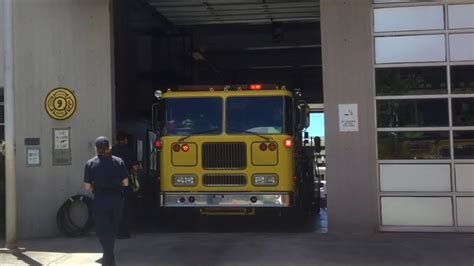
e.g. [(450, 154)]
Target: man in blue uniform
[(123, 151), (105, 175)]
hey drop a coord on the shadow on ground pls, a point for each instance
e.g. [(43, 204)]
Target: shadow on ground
[(185, 222)]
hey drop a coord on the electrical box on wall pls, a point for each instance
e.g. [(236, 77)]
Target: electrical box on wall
[(33, 152)]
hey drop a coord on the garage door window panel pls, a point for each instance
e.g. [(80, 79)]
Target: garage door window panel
[(411, 81), (412, 113), (411, 145), (461, 47), (409, 18), (461, 16), (463, 112), (410, 49), (463, 144), (462, 79)]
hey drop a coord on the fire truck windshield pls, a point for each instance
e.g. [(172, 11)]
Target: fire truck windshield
[(261, 115), (192, 116)]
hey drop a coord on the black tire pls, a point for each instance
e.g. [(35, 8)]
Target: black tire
[(66, 225)]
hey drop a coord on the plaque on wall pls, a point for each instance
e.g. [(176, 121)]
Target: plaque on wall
[(61, 146)]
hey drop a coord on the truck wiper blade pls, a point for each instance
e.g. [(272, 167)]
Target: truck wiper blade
[(256, 134), (197, 133), (249, 132)]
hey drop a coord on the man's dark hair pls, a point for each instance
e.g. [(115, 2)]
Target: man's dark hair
[(122, 135)]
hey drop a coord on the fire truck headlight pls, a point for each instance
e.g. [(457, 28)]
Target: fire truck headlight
[(265, 180), (184, 180)]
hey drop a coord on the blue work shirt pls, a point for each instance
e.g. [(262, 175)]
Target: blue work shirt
[(125, 153), (105, 172)]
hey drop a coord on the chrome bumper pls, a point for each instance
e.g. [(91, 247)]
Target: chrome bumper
[(230, 200)]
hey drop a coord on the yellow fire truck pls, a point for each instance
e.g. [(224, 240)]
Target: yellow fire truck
[(233, 147)]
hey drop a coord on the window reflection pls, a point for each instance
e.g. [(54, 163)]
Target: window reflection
[(460, 16), (410, 49), (412, 113), (263, 115), (462, 79), (411, 81), (463, 112), (408, 18), (413, 145), (463, 144), (461, 47), (192, 116)]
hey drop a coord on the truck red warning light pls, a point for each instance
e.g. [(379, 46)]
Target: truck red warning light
[(256, 87)]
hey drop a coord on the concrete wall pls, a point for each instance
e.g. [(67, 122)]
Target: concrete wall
[(348, 78), (58, 43), (1, 47)]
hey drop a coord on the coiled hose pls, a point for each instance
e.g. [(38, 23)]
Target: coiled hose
[(66, 224)]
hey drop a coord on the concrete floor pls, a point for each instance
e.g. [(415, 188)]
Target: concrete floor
[(251, 241)]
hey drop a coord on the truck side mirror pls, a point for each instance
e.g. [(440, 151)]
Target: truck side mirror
[(302, 116), (306, 115), (317, 144)]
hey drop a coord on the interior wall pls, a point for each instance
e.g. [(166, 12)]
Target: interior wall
[(349, 79), (58, 43)]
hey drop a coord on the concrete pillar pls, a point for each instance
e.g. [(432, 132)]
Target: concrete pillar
[(348, 78), (58, 43), (1, 49)]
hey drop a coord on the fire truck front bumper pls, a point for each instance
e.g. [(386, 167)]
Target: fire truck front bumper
[(231, 200)]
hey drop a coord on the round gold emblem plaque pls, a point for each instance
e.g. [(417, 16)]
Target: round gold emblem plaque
[(60, 103)]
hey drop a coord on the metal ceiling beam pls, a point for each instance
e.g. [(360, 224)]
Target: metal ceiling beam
[(197, 14), (247, 21), (185, 11), (246, 17), (233, 6), (191, 3), (206, 12)]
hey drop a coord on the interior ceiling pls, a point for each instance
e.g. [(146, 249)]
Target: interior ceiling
[(202, 12), (236, 41)]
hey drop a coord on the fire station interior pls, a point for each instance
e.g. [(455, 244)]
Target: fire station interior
[(160, 44)]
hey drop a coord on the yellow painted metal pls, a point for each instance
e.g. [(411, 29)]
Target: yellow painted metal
[(184, 158), (264, 157), (284, 157), (284, 168), (225, 94)]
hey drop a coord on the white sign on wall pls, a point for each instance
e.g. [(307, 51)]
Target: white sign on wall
[(348, 118), (61, 139), (61, 146), (33, 156)]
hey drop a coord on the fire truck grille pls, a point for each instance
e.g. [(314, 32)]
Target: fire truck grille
[(224, 180), (222, 156)]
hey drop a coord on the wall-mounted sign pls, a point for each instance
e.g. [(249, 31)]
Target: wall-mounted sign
[(33, 156), (348, 118), (61, 139), (60, 103), (61, 146)]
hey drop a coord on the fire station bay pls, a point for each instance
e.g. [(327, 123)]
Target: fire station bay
[(359, 110)]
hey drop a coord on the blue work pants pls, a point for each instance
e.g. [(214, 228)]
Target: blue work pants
[(107, 211)]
